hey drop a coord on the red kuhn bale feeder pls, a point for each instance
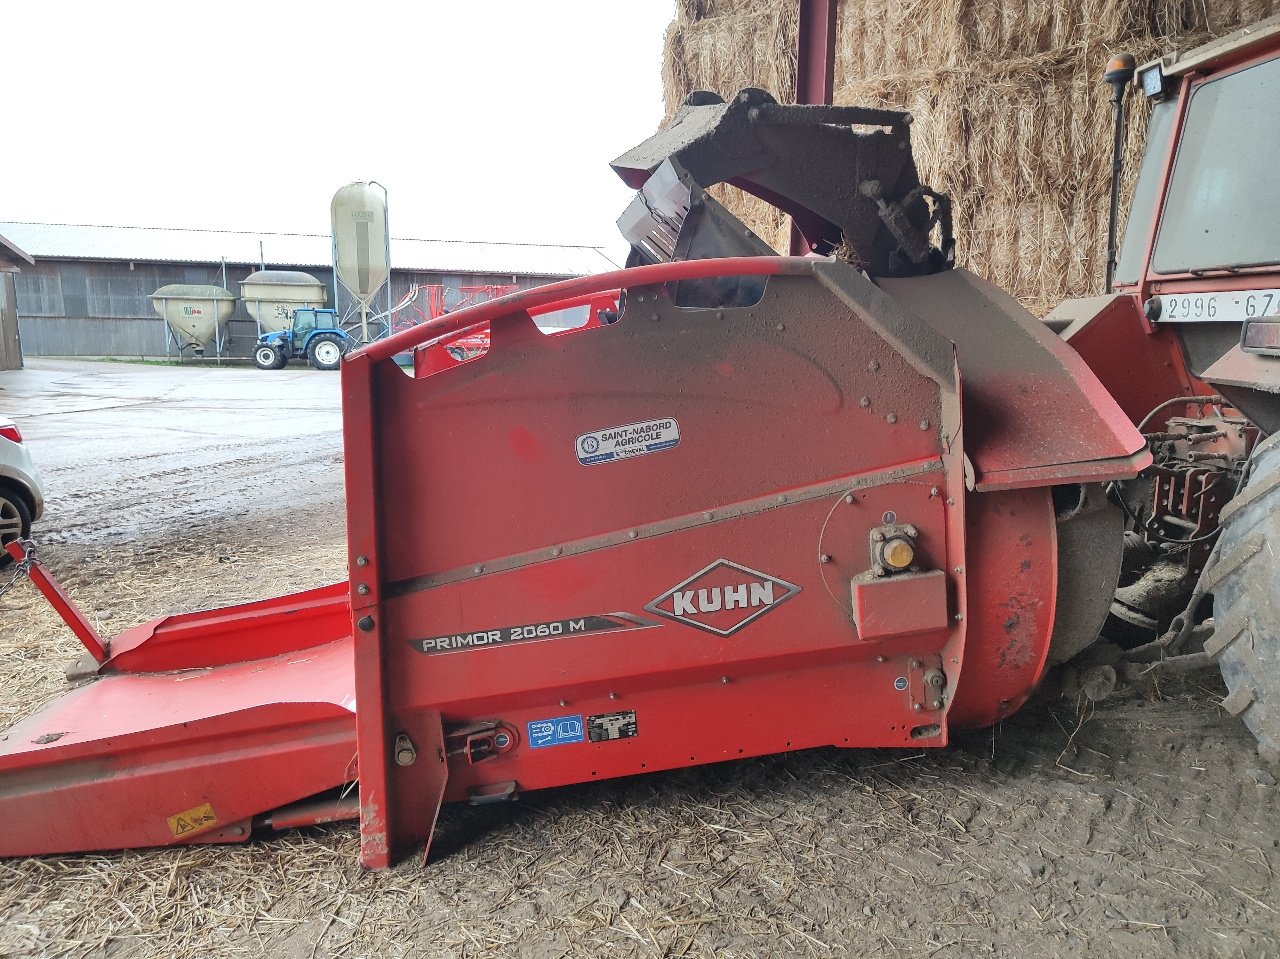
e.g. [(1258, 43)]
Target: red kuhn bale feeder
[(770, 503)]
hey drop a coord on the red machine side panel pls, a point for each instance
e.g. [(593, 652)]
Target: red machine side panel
[(482, 462), (1034, 414), (551, 605)]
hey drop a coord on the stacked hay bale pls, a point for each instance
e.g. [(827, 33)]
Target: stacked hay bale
[(1011, 117)]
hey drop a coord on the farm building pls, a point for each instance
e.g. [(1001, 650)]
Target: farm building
[(12, 260), (88, 292)]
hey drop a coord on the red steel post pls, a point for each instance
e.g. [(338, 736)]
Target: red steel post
[(815, 70)]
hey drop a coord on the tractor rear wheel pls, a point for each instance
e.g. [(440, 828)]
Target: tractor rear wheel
[(325, 351), (1245, 582), (269, 358)]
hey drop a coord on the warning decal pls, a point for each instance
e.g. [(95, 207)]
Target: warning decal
[(609, 726), (625, 442), (193, 821), (556, 629)]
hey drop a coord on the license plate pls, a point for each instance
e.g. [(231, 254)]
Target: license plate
[(1233, 307)]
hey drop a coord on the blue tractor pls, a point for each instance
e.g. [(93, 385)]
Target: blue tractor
[(315, 334)]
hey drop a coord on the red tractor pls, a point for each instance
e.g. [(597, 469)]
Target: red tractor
[(1189, 346), (856, 498)]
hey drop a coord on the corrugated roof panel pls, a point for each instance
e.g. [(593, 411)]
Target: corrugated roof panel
[(159, 245)]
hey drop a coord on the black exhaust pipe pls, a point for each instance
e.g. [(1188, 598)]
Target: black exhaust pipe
[(1119, 74)]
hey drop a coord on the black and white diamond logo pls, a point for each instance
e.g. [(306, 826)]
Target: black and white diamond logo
[(723, 598)]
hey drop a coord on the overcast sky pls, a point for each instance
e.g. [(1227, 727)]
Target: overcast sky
[(485, 121)]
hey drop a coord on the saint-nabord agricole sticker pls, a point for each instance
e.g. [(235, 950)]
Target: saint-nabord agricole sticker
[(625, 442)]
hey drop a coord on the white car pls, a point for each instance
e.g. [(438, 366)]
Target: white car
[(21, 486)]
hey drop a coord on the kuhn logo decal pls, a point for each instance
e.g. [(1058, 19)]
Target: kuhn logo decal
[(723, 598)]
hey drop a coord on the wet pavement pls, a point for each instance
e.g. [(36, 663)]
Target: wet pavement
[(134, 452)]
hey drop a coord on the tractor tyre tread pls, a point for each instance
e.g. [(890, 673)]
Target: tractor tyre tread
[(317, 342), (1246, 602), (278, 358)]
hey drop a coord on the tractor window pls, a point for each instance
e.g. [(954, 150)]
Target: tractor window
[(303, 320), (1223, 209), (1137, 227)]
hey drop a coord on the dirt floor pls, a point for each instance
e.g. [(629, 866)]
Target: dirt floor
[(1144, 827)]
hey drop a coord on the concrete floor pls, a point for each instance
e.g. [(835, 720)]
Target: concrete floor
[(134, 452)]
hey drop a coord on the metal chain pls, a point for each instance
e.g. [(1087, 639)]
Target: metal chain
[(22, 567)]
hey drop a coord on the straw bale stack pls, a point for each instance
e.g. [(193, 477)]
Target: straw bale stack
[(1011, 117)]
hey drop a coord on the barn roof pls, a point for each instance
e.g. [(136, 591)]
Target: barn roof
[(164, 245), (11, 254)]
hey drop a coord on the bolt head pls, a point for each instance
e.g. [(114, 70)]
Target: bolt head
[(915, 664), (937, 704), (918, 707), (881, 659), (365, 623), (362, 560), (825, 558), (891, 418), (362, 589)]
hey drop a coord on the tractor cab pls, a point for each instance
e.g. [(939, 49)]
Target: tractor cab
[(313, 333), (1200, 258)]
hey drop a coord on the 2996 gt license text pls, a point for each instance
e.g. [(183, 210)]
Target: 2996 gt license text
[(1234, 306)]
